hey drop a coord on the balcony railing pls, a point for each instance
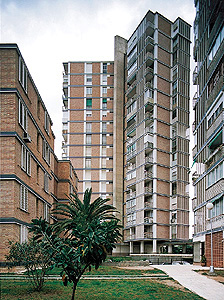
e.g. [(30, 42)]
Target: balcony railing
[(131, 87), (148, 235), (149, 204), (131, 154), (149, 159), (148, 190), (148, 175), (148, 145), (195, 75), (149, 39), (149, 130), (133, 222), (218, 87), (131, 195), (148, 220), (194, 100), (215, 124), (216, 59), (148, 85), (131, 128)]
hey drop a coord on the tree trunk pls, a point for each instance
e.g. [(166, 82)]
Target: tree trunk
[(74, 289)]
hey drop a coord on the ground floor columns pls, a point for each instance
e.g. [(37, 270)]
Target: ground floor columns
[(142, 246), (131, 248), (169, 248), (154, 246)]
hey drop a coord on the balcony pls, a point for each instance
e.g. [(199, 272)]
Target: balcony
[(148, 147), (215, 156), (131, 130), (193, 126), (131, 196), (195, 75), (148, 160), (215, 125), (194, 100), (148, 85), (148, 175), (129, 102), (194, 151), (216, 59), (148, 40), (216, 90), (131, 88), (131, 237), (148, 205), (131, 113), (131, 155), (149, 130), (133, 58), (194, 203), (131, 223), (130, 209), (148, 235), (148, 190), (148, 220)]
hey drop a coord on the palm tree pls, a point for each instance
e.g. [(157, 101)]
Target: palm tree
[(85, 233)]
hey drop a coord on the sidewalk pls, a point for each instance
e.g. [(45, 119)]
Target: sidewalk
[(205, 287)]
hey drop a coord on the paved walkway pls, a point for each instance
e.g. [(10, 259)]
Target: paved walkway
[(205, 287)]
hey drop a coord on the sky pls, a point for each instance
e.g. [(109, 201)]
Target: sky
[(50, 32)]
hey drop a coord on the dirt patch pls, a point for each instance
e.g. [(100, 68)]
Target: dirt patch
[(170, 282), (215, 277), (12, 270)]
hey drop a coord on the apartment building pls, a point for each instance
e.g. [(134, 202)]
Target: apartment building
[(156, 133), (32, 178), (208, 130), (88, 124)]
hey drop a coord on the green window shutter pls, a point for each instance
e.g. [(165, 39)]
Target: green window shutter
[(104, 100), (88, 102)]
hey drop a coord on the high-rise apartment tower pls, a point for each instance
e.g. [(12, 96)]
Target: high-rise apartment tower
[(208, 130), (156, 133), (88, 124)]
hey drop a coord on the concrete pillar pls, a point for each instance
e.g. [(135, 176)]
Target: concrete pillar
[(131, 247), (184, 249), (154, 246), (142, 247), (169, 248)]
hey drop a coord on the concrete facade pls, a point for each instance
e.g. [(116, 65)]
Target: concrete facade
[(156, 135), (208, 130), (32, 178)]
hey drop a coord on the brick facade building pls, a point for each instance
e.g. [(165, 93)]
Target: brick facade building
[(32, 178), (88, 124)]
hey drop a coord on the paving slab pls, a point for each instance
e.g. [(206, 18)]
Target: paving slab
[(205, 287)]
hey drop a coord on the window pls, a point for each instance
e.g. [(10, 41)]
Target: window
[(46, 212), (23, 234), (174, 113), (88, 139), (25, 160), (104, 162), (215, 175), (174, 87), (22, 74), (174, 188), (104, 104), (89, 68), (88, 162), (104, 90), (23, 116), (88, 91), (46, 182), (23, 198), (104, 127), (217, 208), (88, 127), (89, 103), (104, 67), (104, 79), (89, 79), (88, 150), (46, 151), (216, 45), (104, 139), (174, 145), (46, 122)]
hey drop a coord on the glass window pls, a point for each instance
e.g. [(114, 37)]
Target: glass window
[(89, 79), (88, 127), (88, 68), (88, 139), (104, 105), (104, 139), (104, 127), (23, 198), (104, 91), (89, 103), (104, 67), (104, 79), (88, 162), (88, 91)]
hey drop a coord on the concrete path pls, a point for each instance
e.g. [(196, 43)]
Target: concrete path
[(205, 287)]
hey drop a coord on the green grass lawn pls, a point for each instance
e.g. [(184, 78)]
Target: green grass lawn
[(107, 270), (95, 289)]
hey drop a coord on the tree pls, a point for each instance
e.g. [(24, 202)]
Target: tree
[(33, 257), (87, 232)]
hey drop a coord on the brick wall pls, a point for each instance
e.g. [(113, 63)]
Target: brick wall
[(218, 251)]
